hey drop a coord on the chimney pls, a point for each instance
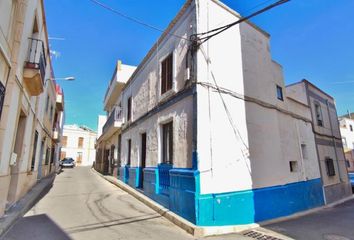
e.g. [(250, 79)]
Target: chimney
[(349, 114)]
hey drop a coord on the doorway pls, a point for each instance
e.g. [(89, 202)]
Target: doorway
[(143, 159), (17, 152)]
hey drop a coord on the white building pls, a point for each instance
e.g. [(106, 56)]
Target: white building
[(347, 133), (108, 142), (78, 142), (211, 132)]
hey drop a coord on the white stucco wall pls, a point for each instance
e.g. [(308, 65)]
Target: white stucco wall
[(247, 145), (71, 149)]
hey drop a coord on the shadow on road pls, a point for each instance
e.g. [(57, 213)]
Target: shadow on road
[(38, 227)]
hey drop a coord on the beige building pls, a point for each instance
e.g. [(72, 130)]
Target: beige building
[(31, 103), (78, 143)]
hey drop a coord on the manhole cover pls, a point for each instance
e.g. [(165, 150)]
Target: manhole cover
[(334, 237), (259, 236)]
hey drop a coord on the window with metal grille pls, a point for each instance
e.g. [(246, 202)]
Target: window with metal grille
[(318, 113), (166, 74), (280, 93), (167, 143), (129, 109), (330, 167)]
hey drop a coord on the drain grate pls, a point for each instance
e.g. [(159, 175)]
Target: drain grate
[(259, 236)]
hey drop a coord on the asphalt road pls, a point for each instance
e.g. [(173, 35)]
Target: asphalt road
[(82, 205)]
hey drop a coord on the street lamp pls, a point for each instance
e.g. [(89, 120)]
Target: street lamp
[(55, 79)]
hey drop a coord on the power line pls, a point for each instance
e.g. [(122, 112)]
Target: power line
[(133, 19), (219, 30)]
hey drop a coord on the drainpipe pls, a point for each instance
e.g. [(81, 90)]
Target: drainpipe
[(333, 139)]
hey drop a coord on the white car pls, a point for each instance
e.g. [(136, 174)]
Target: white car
[(67, 162)]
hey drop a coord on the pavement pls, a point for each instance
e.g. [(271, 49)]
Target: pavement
[(83, 205)]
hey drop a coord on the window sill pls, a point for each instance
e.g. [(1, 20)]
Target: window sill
[(167, 94)]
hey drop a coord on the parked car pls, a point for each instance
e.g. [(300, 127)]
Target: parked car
[(67, 162)]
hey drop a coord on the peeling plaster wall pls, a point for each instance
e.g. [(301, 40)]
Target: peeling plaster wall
[(181, 115), (144, 88)]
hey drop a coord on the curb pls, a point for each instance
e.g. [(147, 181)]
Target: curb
[(23, 205), (189, 227)]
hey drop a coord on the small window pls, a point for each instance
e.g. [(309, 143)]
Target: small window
[(293, 166), (64, 141), (2, 97), (330, 167), (129, 109), (129, 151), (80, 143), (304, 151), (351, 128), (166, 74), (318, 113), (167, 143), (280, 93)]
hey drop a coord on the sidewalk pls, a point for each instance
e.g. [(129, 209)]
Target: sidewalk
[(189, 227), (24, 204)]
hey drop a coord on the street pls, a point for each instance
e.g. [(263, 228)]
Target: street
[(82, 205)]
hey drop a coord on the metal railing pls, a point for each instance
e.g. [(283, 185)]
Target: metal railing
[(116, 115), (36, 56)]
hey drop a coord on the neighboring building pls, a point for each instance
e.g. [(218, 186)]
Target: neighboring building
[(328, 139), (211, 132), (31, 104), (101, 122), (78, 142), (347, 131), (108, 142)]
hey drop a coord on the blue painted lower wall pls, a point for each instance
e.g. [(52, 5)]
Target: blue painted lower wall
[(180, 194), (258, 205)]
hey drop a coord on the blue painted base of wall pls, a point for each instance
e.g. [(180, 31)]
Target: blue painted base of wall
[(178, 190), (258, 205)]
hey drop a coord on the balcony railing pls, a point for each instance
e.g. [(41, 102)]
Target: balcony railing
[(35, 67), (116, 115), (36, 56)]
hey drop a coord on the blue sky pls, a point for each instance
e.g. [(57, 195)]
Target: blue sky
[(312, 39)]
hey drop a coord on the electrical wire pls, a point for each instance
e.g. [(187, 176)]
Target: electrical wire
[(219, 30), (134, 19)]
